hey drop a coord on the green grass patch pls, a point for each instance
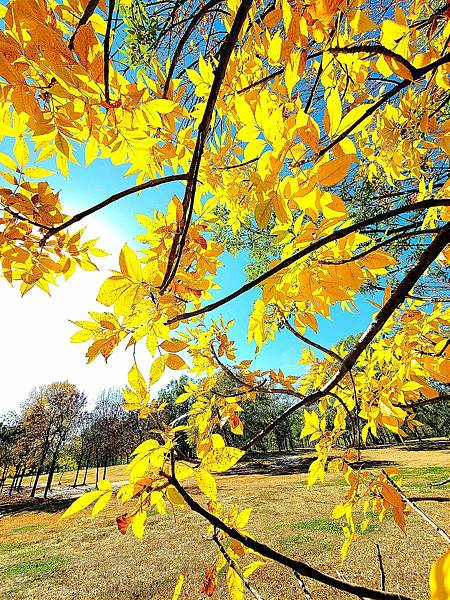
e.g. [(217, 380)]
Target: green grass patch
[(11, 546), (25, 529), (33, 568), (324, 524), (290, 543)]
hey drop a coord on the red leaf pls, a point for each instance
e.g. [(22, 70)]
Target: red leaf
[(123, 522), (210, 583)]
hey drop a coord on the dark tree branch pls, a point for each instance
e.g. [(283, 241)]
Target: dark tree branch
[(381, 569), (203, 129), (106, 44), (287, 262), (295, 565), (437, 528), (132, 190), (232, 564), (194, 20), (397, 297), (88, 12)]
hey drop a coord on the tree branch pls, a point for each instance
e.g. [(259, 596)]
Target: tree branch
[(88, 12), (397, 297), (203, 129), (287, 262), (232, 564), (132, 190), (106, 43), (418, 510), (195, 19), (295, 565)]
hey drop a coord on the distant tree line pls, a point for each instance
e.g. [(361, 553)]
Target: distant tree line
[(55, 432)]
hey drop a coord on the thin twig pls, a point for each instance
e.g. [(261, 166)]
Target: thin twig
[(438, 529), (287, 262), (106, 44), (303, 586), (381, 569), (233, 565), (88, 12)]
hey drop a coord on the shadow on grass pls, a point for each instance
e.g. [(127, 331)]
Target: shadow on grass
[(289, 463), (426, 445), (27, 504)]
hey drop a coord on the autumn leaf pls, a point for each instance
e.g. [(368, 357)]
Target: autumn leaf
[(219, 460), (440, 578)]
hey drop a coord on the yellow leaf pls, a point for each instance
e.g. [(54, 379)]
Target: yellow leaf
[(334, 109), (206, 483), (90, 151), (235, 585), (157, 369), (173, 345), (177, 590), (263, 210), (37, 172), (219, 460), (21, 151), (175, 362), (333, 171), (243, 518), (137, 381), (274, 50), (360, 22), (440, 578), (82, 502), (145, 447), (130, 264), (138, 523), (7, 161), (174, 496), (101, 503)]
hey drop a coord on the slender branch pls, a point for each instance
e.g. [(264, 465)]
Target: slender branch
[(303, 586), (439, 483), (418, 510), (261, 81), (382, 100), (88, 12), (303, 338), (398, 296), (375, 247), (179, 239), (20, 217), (232, 564), (295, 565), (287, 262), (423, 402), (132, 190), (106, 44), (195, 19), (376, 49), (381, 569)]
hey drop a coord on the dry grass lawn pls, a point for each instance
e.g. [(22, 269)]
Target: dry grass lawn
[(40, 557)]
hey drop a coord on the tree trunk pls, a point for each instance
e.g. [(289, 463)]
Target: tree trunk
[(105, 468), (21, 476), (51, 472), (3, 479), (78, 471), (85, 471), (40, 467)]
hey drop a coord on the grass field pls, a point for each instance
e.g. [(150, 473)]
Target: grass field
[(41, 557)]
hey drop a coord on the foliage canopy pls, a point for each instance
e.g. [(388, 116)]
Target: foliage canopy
[(263, 111)]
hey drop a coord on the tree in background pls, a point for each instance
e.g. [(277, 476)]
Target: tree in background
[(261, 110), (50, 416)]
